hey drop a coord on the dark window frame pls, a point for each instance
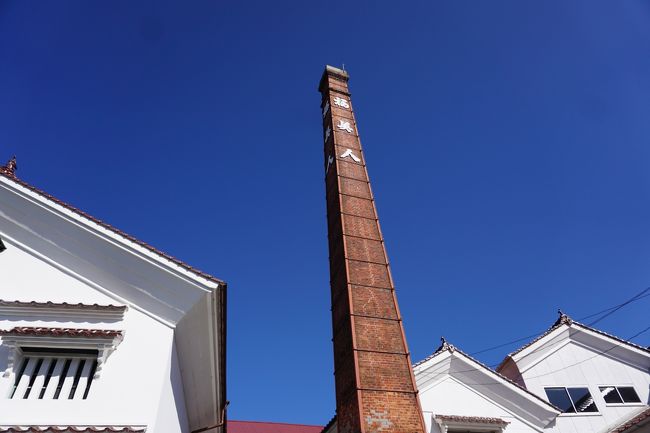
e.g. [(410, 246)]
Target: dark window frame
[(570, 394), (623, 400)]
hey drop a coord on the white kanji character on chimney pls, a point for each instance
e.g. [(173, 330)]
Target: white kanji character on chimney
[(345, 126), (341, 102)]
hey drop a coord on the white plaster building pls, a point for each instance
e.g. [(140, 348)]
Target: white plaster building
[(572, 379), (99, 331)]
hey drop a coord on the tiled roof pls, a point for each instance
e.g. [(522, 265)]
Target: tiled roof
[(107, 226), (270, 427), (61, 332), (71, 428), (566, 320), (49, 304), (472, 419), (445, 346), (643, 417)]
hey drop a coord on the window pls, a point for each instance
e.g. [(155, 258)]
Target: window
[(54, 375), (619, 394), (571, 400)]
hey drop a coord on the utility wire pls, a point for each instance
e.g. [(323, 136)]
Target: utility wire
[(609, 311), (610, 308), (629, 301), (547, 373)]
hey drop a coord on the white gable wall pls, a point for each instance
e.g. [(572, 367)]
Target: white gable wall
[(25, 277), (572, 364), (134, 381), (451, 397)]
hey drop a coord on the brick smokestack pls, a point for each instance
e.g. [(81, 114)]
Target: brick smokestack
[(375, 387)]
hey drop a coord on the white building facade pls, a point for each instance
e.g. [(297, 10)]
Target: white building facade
[(99, 331), (572, 379)]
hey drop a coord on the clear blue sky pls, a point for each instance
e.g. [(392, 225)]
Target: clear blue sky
[(507, 143)]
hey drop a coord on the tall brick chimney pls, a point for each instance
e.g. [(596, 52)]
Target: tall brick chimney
[(375, 387)]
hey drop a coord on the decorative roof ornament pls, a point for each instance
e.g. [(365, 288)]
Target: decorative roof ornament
[(10, 167), (564, 319), (444, 345)]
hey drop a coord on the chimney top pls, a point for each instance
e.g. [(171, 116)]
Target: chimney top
[(334, 72)]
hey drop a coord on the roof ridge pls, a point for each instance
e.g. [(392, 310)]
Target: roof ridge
[(564, 319), (113, 229), (451, 348)]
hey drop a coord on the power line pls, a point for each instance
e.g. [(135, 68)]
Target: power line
[(550, 372), (611, 308), (609, 311), (629, 301)]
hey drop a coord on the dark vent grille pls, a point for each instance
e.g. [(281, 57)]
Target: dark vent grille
[(46, 376)]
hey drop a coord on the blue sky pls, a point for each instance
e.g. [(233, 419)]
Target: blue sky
[(507, 144)]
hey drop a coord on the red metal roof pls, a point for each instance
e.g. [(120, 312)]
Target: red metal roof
[(270, 427)]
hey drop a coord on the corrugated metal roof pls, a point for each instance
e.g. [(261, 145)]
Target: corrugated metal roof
[(270, 427)]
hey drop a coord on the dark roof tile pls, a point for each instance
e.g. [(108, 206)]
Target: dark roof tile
[(61, 332)]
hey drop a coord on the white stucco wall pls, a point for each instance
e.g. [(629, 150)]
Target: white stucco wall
[(451, 397), (571, 364), (139, 384)]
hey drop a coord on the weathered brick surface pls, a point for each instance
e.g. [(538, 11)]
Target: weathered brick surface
[(378, 334), (337, 264), (366, 250), (338, 88), (370, 356), (384, 371), (346, 140), (400, 409), (357, 206), (341, 113), (368, 274), (351, 170), (360, 227), (372, 301), (348, 417), (344, 352), (355, 188), (345, 374), (340, 308)]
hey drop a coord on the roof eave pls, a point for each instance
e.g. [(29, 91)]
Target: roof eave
[(115, 234)]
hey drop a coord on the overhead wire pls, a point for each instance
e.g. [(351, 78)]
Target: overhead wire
[(619, 344), (608, 311), (629, 301)]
